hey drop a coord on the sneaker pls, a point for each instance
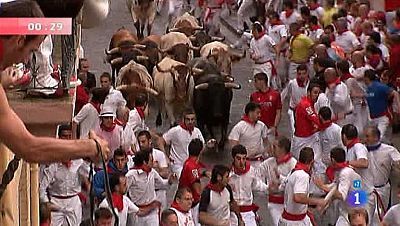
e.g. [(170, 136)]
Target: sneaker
[(239, 32)]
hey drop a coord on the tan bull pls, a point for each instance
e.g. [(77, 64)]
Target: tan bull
[(143, 13), (177, 46), (186, 24)]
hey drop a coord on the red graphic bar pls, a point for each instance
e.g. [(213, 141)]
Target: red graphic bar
[(35, 26)]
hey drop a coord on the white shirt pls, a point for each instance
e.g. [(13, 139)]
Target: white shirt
[(216, 203), (160, 158), (250, 136), (344, 179), (381, 161), (392, 216), (356, 87), (267, 169), (244, 185), (385, 51), (262, 48), (184, 219), (277, 32), (330, 137), (134, 125), (316, 34), (129, 207), (339, 98), (87, 118), (60, 180), (347, 41), (141, 186), (114, 99), (322, 101), (295, 92), (297, 183), (179, 140), (114, 138), (289, 20), (318, 12), (358, 73), (359, 151)]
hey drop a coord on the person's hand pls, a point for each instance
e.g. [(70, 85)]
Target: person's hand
[(321, 204), (318, 181), (103, 146)]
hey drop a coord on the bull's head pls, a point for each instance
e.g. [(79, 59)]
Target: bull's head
[(180, 52), (200, 38), (223, 58), (185, 27), (181, 79), (130, 77)]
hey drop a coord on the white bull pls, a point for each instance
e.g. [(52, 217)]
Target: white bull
[(142, 12)]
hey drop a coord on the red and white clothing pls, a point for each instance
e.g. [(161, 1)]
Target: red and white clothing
[(317, 11), (340, 101), (295, 214), (243, 182), (270, 103), (360, 111), (348, 41), (141, 190), (250, 135), (112, 135), (382, 157), (160, 159), (127, 207), (114, 100), (289, 17), (306, 129), (135, 124), (295, 90), (87, 118), (330, 136), (392, 216), (179, 139), (184, 218), (315, 32), (60, 185), (216, 202), (266, 171), (277, 33)]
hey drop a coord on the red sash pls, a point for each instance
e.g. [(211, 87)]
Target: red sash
[(293, 217), (277, 199), (253, 207)]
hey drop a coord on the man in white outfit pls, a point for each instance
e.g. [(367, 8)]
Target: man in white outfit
[(182, 207), (114, 99)]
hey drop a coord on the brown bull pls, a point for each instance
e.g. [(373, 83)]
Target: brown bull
[(143, 13), (177, 46), (221, 54), (150, 46)]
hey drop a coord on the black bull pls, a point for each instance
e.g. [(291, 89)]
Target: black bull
[(212, 104)]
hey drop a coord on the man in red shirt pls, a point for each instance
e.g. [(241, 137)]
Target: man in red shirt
[(270, 102), (307, 124), (191, 173)]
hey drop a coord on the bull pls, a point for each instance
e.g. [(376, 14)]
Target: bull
[(133, 79), (123, 47), (221, 54), (174, 83), (177, 46), (150, 46), (143, 13), (212, 102)]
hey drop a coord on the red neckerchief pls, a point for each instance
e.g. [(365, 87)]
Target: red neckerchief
[(247, 119), (215, 188), (108, 129), (284, 159), (325, 125), (96, 105), (118, 122), (346, 76), (261, 34), (336, 82), (289, 12), (330, 171), (68, 163), (352, 143), (1, 50), (118, 201), (278, 22), (314, 6), (140, 111), (143, 167), (176, 206), (301, 83), (302, 166), (239, 171), (315, 27), (187, 128)]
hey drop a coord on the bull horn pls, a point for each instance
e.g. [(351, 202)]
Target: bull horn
[(142, 58), (112, 51), (199, 28), (201, 86), (175, 29), (192, 38), (117, 60), (232, 85), (216, 38), (197, 71), (151, 91), (194, 48), (139, 46)]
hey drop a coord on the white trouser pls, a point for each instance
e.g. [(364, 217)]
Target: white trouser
[(195, 214), (150, 219), (162, 198), (383, 123), (177, 169), (275, 211), (311, 141), (305, 222), (360, 117), (69, 213), (267, 69), (282, 69), (249, 219), (291, 122), (243, 13), (384, 195)]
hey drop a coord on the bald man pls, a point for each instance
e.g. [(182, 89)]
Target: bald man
[(338, 95)]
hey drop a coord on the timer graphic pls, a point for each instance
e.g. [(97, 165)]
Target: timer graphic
[(35, 26), (357, 197)]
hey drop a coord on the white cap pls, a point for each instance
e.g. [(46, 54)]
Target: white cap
[(107, 111)]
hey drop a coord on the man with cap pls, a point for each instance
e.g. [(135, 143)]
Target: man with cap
[(109, 130)]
